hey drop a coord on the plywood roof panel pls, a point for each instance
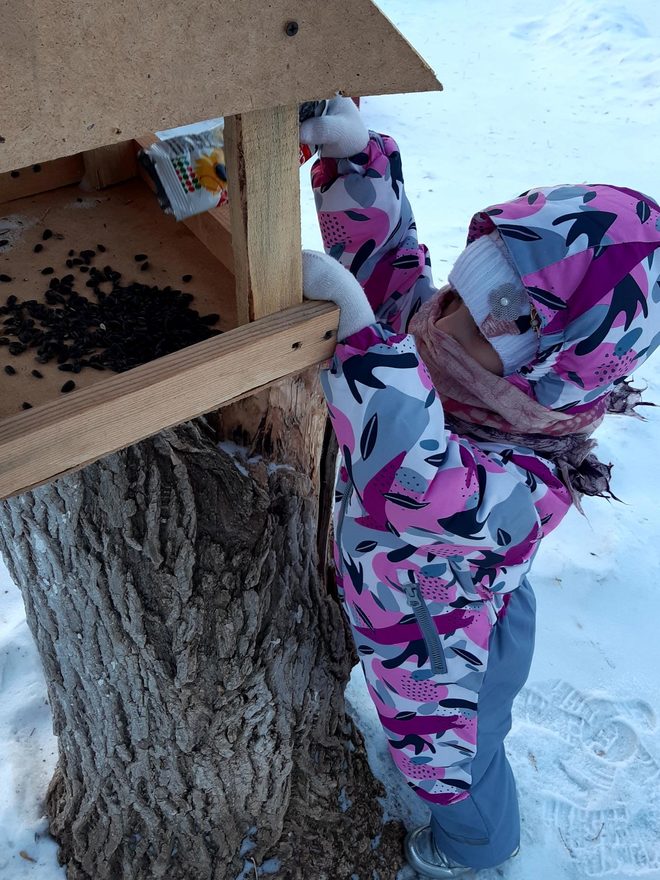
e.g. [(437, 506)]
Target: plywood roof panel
[(81, 75)]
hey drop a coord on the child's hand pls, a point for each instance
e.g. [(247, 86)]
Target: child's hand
[(340, 132), (326, 279)]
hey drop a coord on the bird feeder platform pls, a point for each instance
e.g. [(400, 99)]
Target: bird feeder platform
[(243, 259)]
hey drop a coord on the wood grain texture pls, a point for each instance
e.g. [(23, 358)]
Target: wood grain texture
[(33, 179), (261, 150), (39, 444), (213, 229), (77, 76), (106, 166), (196, 667)]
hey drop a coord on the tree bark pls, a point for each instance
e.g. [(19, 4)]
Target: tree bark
[(196, 662)]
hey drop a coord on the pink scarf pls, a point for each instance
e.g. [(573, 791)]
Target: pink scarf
[(488, 408), (475, 395)]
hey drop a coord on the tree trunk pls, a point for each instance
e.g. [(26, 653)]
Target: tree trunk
[(195, 661)]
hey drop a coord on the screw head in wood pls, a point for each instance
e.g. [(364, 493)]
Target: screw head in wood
[(291, 28)]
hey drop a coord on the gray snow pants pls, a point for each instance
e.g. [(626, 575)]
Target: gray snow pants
[(483, 830)]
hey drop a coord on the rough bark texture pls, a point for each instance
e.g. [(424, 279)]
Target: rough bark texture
[(196, 662)]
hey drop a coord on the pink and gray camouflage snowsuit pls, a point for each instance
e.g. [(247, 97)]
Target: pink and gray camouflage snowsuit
[(433, 530)]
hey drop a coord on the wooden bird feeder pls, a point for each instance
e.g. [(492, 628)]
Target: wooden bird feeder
[(81, 84)]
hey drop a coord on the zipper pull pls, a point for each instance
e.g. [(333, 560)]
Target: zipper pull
[(413, 595)]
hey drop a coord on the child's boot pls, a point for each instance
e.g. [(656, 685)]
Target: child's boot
[(423, 855)]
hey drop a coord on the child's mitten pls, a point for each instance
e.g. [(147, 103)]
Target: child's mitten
[(340, 131), (324, 278)]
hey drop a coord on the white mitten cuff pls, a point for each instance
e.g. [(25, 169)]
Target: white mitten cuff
[(326, 279), (341, 132)]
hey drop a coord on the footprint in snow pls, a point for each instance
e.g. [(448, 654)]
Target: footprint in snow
[(587, 776)]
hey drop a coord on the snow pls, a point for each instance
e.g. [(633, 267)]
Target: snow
[(535, 94)]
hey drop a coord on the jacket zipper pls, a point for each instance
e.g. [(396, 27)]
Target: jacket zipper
[(427, 627)]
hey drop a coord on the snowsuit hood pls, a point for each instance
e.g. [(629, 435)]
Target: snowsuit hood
[(588, 256)]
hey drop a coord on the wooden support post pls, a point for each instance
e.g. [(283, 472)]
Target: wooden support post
[(261, 149), (107, 165)]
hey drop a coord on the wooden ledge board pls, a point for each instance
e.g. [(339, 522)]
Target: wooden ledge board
[(95, 170), (66, 434), (33, 179), (127, 220)]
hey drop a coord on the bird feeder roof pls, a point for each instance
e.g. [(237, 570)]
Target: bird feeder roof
[(82, 75)]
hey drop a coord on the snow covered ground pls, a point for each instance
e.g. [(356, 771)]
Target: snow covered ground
[(535, 94)]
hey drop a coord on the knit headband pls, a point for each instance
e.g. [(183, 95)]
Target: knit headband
[(490, 287)]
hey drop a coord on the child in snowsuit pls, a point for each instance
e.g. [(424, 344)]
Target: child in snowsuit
[(463, 416)]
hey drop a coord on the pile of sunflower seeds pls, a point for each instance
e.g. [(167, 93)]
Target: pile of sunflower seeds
[(113, 324)]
